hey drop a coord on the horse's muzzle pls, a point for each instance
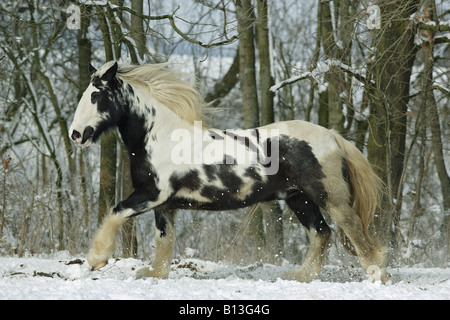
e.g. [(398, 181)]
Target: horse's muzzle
[(83, 140)]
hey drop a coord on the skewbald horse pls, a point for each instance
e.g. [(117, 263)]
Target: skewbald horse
[(311, 168)]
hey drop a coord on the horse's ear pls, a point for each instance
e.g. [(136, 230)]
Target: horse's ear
[(92, 70), (110, 73)]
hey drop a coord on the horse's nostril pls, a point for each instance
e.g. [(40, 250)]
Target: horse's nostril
[(75, 135)]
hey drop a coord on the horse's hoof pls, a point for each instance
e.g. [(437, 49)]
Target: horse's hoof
[(99, 265), (143, 273), (301, 275), (150, 273)]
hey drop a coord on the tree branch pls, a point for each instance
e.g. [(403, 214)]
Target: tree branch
[(171, 18), (433, 26), (322, 67)]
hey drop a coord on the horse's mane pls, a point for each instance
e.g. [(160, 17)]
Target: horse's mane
[(168, 87)]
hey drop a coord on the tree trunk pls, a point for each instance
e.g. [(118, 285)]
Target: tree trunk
[(129, 240), (331, 112), (434, 123), (137, 28), (84, 51), (108, 143), (265, 64), (395, 55), (228, 82), (247, 75), (272, 212), (84, 58), (247, 78), (108, 168)]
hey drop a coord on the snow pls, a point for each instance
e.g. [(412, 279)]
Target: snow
[(63, 277), (318, 73)]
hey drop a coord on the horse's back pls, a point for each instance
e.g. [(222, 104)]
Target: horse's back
[(320, 139)]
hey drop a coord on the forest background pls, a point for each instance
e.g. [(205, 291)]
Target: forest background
[(379, 75)]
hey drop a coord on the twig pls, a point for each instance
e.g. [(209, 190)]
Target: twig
[(171, 18)]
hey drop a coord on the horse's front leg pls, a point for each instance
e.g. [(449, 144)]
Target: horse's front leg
[(165, 242), (104, 242)]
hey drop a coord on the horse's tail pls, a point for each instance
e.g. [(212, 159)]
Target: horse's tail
[(365, 187)]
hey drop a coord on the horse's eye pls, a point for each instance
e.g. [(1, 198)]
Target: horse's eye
[(95, 96)]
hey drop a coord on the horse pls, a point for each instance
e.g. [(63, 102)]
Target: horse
[(178, 163)]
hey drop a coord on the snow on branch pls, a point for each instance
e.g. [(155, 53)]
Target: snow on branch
[(431, 28), (318, 73)]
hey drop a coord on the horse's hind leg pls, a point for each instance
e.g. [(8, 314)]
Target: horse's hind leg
[(309, 215), (370, 253), (165, 242)]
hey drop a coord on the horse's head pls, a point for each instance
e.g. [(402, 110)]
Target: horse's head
[(99, 107)]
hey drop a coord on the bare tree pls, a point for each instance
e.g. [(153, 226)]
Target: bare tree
[(247, 72)]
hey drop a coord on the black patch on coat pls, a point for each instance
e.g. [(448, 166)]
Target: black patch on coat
[(211, 171), (251, 173), (132, 128), (97, 82), (211, 192), (303, 168), (111, 104), (143, 176), (189, 180), (95, 97), (228, 177), (308, 213)]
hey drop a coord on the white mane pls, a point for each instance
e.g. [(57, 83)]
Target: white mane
[(167, 86)]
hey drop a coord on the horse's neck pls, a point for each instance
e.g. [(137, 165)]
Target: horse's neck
[(159, 124), (160, 128)]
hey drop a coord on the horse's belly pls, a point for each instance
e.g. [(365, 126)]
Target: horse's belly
[(222, 199)]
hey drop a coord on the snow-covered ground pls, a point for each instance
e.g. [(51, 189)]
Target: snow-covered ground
[(62, 276)]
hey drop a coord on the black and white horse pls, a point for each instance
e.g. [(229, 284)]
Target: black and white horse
[(178, 164)]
